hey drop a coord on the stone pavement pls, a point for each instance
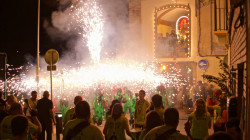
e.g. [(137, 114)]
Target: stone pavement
[(183, 119)]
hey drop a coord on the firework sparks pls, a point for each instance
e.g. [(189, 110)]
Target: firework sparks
[(88, 16), (133, 75), (69, 81)]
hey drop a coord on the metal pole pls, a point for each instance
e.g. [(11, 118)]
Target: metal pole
[(51, 75), (4, 78), (5, 81), (38, 47)]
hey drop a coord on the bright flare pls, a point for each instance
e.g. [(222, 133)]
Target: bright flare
[(89, 16)]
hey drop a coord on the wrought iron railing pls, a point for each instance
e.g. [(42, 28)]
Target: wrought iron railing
[(221, 15)]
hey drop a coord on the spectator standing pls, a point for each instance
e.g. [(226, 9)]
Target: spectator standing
[(19, 126), (173, 44), (233, 129), (2, 102), (219, 112), (219, 136), (200, 90), (116, 124), (190, 95), (11, 99), (3, 112), (210, 90), (158, 106), (71, 112), (200, 120), (80, 128), (108, 114), (140, 109), (45, 115), (30, 104), (152, 120), (167, 131), (166, 43)]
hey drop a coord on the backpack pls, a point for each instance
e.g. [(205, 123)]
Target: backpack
[(77, 129), (166, 135)]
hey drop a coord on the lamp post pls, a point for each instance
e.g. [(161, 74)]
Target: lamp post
[(3, 58), (38, 43)]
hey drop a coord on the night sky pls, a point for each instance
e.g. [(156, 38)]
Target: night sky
[(18, 29)]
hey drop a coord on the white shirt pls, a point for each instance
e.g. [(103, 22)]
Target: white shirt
[(32, 105)]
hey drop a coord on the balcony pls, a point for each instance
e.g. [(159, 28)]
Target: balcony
[(220, 17)]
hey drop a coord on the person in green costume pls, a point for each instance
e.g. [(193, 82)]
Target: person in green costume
[(127, 100), (128, 103), (98, 108), (170, 96), (118, 95), (132, 113), (106, 103)]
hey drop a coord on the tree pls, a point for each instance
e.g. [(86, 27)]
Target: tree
[(223, 80)]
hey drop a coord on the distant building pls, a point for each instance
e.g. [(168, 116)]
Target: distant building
[(181, 32)]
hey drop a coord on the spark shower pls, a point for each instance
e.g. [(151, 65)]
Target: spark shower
[(68, 81)]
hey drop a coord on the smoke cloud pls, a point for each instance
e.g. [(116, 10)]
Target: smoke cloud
[(118, 41)]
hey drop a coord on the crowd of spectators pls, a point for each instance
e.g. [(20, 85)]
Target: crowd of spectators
[(151, 118), (170, 45)]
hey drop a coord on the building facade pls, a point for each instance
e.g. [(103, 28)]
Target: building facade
[(199, 28), (239, 60)]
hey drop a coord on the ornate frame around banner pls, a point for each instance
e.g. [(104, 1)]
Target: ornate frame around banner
[(168, 6)]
